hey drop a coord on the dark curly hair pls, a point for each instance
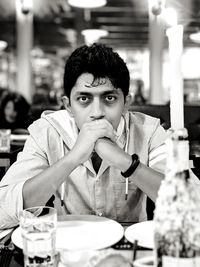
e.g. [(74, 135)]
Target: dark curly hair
[(99, 60)]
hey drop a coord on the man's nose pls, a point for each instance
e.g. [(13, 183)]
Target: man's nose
[(97, 110)]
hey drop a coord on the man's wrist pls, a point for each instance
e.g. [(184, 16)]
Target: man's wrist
[(126, 163), (132, 167)]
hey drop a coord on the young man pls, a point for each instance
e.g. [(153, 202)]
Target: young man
[(82, 154)]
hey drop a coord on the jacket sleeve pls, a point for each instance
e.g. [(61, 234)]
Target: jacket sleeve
[(31, 161)]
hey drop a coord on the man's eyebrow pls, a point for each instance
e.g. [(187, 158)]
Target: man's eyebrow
[(83, 93), (115, 91)]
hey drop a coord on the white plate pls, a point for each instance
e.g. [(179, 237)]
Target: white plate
[(143, 232), (82, 232)]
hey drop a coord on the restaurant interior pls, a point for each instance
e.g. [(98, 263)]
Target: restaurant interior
[(37, 36)]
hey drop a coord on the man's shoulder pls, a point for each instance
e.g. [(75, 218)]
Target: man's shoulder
[(63, 113), (48, 117), (143, 119), (55, 124), (44, 122)]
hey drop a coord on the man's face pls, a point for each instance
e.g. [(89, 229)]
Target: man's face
[(91, 102)]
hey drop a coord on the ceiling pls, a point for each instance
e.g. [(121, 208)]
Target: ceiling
[(57, 25)]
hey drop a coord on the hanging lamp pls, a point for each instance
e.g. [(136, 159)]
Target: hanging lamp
[(87, 3)]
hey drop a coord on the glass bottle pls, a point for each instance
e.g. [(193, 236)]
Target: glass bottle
[(177, 211)]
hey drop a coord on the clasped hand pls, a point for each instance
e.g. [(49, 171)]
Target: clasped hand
[(98, 135)]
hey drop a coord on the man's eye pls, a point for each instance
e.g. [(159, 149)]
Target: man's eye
[(110, 99), (83, 99)]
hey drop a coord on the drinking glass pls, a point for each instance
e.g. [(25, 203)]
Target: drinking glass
[(38, 228), (5, 140)]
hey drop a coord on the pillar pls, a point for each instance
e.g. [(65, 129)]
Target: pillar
[(24, 24)]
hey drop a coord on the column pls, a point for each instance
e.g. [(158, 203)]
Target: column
[(156, 42), (24, 24)]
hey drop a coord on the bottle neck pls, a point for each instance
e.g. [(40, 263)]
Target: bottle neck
[(177, 157)]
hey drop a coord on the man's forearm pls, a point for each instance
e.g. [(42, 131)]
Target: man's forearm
[(148, 180), (38, 190)]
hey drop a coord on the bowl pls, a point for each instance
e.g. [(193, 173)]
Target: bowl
[(145, 262)]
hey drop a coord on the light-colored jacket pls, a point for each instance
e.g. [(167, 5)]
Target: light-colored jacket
[(86, 192)]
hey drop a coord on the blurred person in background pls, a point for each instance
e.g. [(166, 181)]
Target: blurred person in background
[(139, 98), (14, 110)]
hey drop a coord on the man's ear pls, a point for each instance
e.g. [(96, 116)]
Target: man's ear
[(127, 105), (66, 104)]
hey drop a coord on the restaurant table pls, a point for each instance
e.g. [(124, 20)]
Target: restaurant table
[(14, 257)]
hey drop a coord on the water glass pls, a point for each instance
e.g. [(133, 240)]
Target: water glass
[(38, 228), (5, 140)]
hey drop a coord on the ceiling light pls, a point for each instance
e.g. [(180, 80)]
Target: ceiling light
[(93, 35), (87, 3), (3, 45), (195, 37)]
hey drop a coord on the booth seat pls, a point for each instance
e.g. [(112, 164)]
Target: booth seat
[(191, 121), (191, 115)]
